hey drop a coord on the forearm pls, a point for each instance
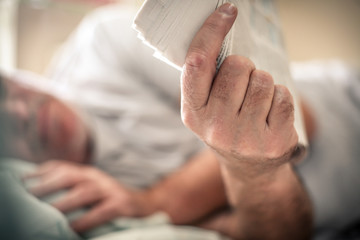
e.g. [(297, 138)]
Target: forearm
[(192, 192), (272, 207)]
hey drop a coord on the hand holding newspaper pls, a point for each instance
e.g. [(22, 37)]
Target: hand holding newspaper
[(170, 25)]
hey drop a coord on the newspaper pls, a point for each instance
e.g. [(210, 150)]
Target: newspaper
[(169, 26)]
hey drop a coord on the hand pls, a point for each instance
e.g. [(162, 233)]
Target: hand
[(224, 222), (238, 112), (87, 186)]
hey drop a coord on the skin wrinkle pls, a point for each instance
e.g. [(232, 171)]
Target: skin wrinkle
[(287, 109), (263, 164), (283, 103), (257, 92), (195, 63), (242, 66), (260, 89), (246, 92), (223, 87), (235, 68)]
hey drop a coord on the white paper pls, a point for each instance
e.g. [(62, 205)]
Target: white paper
[(169, 26)]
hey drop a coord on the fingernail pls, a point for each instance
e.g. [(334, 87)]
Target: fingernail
[(228, 9)]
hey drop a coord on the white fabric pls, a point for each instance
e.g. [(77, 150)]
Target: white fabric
[(331, 170), (164, 232), (130, 98)]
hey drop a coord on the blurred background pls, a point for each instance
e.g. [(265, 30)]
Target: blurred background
[(32, 30)]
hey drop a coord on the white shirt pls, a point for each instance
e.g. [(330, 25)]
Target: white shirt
[(331, 171), (131, 99)]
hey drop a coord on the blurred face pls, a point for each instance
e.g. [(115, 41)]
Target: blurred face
[(36, 126)]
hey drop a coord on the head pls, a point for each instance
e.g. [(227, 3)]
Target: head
[(36, 126)]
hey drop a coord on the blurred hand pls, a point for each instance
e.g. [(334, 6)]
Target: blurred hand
[(225, 222), (238, 112), (87, 187)]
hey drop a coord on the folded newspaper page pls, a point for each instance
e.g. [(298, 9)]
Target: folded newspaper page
[(169, 26)]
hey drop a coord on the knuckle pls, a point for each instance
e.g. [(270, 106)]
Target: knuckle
[(239, 63), (262, 79), (69, 178), (284, 100), (260, 87), (234, 69), (283, 93), (111, 209), (195, 59), (50, 164), (213, 24), (82, 191), (91, 172), (108, 208), (223, 86)]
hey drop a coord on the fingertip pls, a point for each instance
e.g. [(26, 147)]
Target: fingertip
[(78, 226), (210, 36), (228, 9), (82, 224), (36, 191)]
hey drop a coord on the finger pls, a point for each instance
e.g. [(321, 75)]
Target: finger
[(200, 62), (224, 222), (81, 196), (258, 98), (100, 214), (281, 114), (55, 182), (43, 169), (230, 85)]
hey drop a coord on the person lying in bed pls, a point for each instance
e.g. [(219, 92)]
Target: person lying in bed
[(107, 128), (38, 127), (94, 59)]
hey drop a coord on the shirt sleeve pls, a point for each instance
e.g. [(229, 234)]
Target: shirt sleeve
[(130, 98)]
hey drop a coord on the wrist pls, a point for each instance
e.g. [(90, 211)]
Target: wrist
[(267, 181), (145, 203), (252, 169)]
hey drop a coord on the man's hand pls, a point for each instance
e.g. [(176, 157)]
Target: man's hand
[(87, 187), (248, 122), (238, 112), (187, 195)]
